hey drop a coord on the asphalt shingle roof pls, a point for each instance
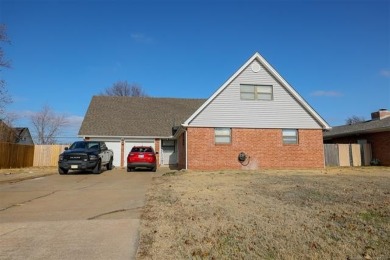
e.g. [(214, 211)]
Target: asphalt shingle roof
[(19, 130), (359, 128), (136, 116)]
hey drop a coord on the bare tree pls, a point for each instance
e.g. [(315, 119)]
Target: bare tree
[(5, 98), (10, 118), (47, 125), (3, 38), (123, 88), (7, 133), (354, 120)]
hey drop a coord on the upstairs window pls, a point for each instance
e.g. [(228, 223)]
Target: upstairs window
[(256, 92), (223, 135), (290, 136)]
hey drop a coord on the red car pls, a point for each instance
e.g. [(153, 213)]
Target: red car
[(141, 157)]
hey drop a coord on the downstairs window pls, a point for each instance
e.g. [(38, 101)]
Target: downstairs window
[(222, 135), (290, 136)]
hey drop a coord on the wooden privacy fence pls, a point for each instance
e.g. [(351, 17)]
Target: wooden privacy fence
[(19, 155), (47, 155), (16, 155), (347, 154)]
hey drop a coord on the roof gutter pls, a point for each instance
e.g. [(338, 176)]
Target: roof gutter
[(180, 130), (125, 136), (330, 136)]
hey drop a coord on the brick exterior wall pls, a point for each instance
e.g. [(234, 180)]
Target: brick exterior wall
[(380, 144), (157, 150), (181, 160), (264, 147)]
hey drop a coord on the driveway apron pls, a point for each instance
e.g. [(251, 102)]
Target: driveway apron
[(74, 216)]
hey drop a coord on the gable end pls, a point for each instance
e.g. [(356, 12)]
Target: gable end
[(227, 108)]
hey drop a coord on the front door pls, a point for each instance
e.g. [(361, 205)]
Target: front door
[(168, 153)]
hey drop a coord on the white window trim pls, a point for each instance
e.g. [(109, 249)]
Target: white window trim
[(218, 135), (255, 93), (290, 136)]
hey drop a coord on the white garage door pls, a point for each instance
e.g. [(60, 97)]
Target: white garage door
[(116, 148)]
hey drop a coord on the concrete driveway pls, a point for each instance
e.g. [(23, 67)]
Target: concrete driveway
[(77, 216)]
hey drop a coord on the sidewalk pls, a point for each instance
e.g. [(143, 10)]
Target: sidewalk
[(21, 174)]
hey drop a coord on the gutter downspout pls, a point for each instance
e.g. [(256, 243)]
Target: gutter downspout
[(122, 152), (185, 132)]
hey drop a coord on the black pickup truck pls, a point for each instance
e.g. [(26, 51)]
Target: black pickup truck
[(85, 155)]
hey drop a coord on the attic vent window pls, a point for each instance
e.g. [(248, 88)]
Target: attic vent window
[(255, 67), (256, 92)]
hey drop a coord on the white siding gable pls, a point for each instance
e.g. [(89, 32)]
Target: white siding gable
[(286, 110)]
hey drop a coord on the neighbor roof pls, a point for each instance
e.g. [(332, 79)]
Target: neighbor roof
[(7, 134), (276, 75), (371, 126), (19, 130), (136, 116)]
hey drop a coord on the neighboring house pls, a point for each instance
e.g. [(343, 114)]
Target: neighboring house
[(23, 135), (375, 132), (255, 112), (7, 134), (18, 135)]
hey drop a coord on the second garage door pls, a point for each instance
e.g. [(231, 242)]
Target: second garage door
[(115, 146)]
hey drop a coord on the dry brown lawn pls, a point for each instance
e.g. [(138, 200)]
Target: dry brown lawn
[(270, 214)]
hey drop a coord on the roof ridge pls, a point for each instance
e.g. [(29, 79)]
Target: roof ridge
[(173, 98)]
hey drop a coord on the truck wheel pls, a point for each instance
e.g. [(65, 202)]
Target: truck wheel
[(98, 168), (109, 165), (62, 171)]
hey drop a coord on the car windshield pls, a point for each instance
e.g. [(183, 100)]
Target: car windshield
[(93, 146), (85, 145), (77, 145), (142, 150)]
